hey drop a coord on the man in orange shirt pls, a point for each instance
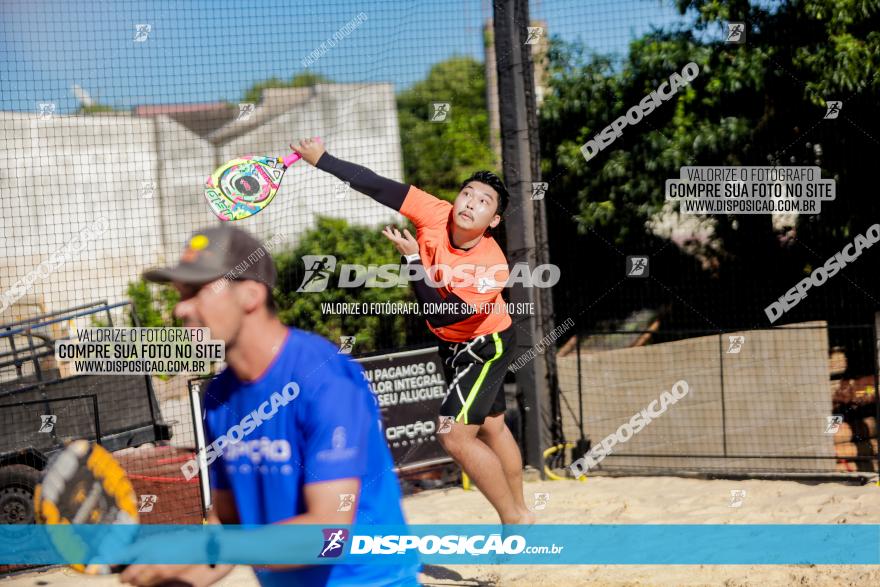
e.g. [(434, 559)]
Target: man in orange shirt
[(454, 248)]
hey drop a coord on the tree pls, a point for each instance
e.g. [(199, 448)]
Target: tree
[(761, 103), (301, 80), (153, 304), (438, 156), (350, 245)]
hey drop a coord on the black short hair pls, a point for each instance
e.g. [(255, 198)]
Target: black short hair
[(493, 181)]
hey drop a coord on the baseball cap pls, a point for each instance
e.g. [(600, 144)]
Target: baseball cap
[(214, 252)]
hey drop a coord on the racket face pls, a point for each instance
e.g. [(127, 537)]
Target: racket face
[(84, 484), (242, 187)]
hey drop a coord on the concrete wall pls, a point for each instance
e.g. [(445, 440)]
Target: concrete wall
[(58, 176), (776, 400)]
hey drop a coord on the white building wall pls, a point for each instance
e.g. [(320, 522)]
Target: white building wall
[(60, 175)]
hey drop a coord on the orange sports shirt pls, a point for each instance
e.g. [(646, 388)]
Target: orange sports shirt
[(480, 288)]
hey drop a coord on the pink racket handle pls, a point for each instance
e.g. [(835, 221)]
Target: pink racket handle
[(289, 160)]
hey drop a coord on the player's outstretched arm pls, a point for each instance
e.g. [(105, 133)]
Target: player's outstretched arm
[(385, 191)]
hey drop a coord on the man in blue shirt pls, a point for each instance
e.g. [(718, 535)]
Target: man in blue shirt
[(291, 424)]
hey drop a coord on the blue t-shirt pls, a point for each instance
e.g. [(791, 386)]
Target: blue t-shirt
[(318, 422)]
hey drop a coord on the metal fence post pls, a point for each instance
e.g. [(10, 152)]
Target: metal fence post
[(531, 379)]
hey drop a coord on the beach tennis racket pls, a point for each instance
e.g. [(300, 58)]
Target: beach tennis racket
[(242, 187), (84, 484)]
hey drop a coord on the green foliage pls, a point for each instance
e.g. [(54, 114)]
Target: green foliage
[(255, 93), (748, 106), (438, 156), (832, 45), (352, 245), (96, 109), (99, 321), (153, 304)]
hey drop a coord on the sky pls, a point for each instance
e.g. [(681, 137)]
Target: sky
[(207, 51)]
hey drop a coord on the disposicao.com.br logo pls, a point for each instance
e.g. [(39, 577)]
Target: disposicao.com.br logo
[(449, 544), (334, 542)]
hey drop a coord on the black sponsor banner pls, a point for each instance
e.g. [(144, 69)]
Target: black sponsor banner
[(409, 388)]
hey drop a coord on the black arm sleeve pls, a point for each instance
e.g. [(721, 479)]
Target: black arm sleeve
[(385, 191), (455, 310)]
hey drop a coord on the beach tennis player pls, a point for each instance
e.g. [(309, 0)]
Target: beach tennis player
[(321, 446), (468, 315)]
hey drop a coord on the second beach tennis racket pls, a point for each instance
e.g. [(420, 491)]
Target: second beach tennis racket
[(84, 484)]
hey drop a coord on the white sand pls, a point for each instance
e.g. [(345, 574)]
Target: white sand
[(629, 500), (664, 500)]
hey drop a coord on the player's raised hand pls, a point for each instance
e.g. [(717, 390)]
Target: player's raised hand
[(405, 243), (310, 149)]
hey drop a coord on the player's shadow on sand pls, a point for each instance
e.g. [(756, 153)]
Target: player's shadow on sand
[(450, 577)]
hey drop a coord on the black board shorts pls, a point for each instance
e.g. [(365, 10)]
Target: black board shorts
[(475, 376)]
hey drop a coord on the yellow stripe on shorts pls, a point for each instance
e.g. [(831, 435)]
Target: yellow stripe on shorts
[(472, 394)]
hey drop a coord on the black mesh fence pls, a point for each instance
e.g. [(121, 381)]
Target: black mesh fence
[(112, 120), (638, 273), (748, 402), (45, 404)]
